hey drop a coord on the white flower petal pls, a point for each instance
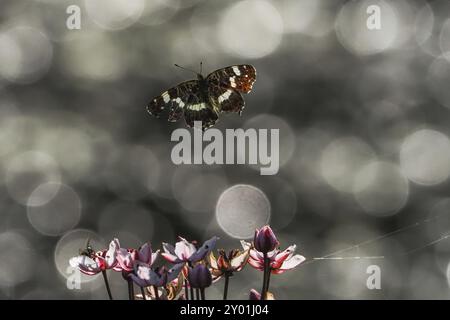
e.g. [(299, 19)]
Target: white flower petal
[(168, 248), (292, 262)]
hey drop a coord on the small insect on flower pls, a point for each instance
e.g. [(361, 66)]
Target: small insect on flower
[(90, 262), (88, 251), (203, 99)]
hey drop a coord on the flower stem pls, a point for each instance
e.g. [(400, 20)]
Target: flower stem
[(130, 290), (143, 294), (269, 272), (186, 290), (202, 292), (155, 288), (266, 275), (191, 289), (197, 293), (105, 278), (225, 286)]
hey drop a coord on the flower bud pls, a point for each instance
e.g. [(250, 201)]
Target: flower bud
[(265, 240), (199, 277)]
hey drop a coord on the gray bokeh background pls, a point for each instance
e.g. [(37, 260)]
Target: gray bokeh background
[(364, 148)]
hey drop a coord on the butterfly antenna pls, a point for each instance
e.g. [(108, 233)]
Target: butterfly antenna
[(201, 66), (176, 65)]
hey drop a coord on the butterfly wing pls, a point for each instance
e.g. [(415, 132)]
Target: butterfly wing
[(200, 111), (184, 99), (226, 85), (225, 100), (174, 99)]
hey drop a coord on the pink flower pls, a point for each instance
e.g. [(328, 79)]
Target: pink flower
[(265, 240), (90, 262), (279, 261), (186, 252), (145, 255), (128, 258)]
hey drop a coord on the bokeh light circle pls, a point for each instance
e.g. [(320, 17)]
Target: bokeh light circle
[(16, 259), (425, 157), (114, 14), (314, 18), (205, 36), (388, 124), (381, 189), (26, 54), (58, 215), (241, 209), (93, 56), (432, 27), (341, 160), (74, 152), (284, 204), (26, 171), (424, 24), (69, 246), (355, 36), (298, 14), (242, 25), (157, 12), (444, 37), (286, 135)]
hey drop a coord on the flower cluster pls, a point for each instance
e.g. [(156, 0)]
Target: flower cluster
[(191, 268)]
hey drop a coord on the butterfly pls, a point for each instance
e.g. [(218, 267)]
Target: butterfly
[(205, 98)]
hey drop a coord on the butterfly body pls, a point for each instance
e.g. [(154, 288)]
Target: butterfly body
[(205, 98), (203, 87)]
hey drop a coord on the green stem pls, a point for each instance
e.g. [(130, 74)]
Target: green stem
[(105, 278)]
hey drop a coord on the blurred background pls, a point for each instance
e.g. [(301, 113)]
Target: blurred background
[(364, 140)]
